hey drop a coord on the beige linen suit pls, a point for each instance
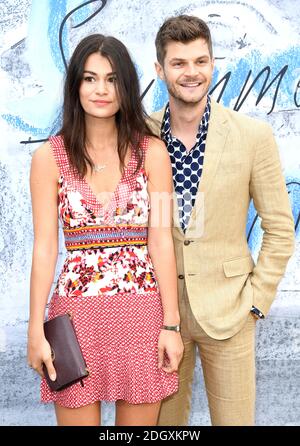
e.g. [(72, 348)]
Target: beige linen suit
[(217, 279)]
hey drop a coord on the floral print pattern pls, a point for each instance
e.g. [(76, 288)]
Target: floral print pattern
[(103, 270)]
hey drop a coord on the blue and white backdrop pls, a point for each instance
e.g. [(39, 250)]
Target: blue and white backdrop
[(257, 72)]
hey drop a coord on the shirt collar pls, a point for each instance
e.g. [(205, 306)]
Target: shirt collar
[(203, 126)]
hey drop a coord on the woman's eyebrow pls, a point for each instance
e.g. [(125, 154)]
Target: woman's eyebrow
[(95, 74)]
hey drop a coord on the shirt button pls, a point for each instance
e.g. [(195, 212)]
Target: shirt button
[(187, 242), (181, 276)]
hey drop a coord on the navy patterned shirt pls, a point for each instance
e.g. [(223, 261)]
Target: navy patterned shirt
[(186, 166)]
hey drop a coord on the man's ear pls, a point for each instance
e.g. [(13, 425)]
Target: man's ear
[(159, 70)]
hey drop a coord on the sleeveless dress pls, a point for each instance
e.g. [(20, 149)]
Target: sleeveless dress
[(108, 283)]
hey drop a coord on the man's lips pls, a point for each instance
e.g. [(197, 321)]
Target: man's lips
[(190, 84)]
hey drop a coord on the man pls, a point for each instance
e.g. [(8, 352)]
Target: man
[(221, 159)]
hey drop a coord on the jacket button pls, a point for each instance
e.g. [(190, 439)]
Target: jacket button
[(187, 242), (181, 276)]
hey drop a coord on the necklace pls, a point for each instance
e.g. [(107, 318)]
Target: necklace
[(98, 167)]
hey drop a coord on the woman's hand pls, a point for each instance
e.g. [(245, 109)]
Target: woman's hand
[(39, 352), (170, 344)]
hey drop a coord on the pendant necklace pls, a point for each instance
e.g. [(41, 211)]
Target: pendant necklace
[(98, 167)]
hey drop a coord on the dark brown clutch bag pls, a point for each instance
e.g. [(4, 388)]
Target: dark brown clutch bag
[(67, 356)]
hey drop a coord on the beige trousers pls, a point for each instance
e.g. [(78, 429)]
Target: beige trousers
[(229, 374)]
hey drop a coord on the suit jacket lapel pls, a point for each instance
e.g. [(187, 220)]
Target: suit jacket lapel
[(215, 143)]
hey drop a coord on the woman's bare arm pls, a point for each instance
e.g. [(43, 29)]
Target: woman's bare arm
[(160, 245), (44, 175)]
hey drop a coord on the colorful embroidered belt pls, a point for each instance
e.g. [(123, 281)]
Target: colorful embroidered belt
[(89, 237)]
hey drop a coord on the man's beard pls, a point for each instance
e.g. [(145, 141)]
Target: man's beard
[(172, 92)]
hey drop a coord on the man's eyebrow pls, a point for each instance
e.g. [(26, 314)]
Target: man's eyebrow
[(178, 59)]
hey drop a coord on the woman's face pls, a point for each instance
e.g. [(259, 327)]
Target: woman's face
[(98, 88)]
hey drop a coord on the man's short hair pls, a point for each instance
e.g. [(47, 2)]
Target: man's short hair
[(182, 28)]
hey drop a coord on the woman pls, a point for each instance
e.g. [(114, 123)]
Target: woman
[(105, 172)]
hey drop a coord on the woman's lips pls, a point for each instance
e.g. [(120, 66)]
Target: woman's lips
[(100, 103)]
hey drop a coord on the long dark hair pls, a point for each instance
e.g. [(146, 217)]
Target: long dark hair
[(131, 117)]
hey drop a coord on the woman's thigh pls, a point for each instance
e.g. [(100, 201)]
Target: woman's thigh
[(136, 414), (89, 415)]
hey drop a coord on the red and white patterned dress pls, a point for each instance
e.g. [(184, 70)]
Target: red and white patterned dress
[(108, 283)]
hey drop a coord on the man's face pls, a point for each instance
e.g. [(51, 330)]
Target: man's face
[(187, 70)]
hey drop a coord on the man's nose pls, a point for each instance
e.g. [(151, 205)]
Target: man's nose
[(191, 69)]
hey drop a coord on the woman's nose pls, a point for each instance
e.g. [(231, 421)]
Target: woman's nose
[(101, 87)]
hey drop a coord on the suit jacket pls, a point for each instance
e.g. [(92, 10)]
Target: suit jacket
[(241, 162)]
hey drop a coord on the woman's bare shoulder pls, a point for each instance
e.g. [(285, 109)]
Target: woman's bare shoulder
[(156, 145), (157, 154), (44, 162)]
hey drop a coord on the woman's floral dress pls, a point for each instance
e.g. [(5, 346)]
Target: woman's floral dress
[(108, 283)]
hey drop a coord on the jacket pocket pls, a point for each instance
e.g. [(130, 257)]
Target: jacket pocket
[(239, 266)]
